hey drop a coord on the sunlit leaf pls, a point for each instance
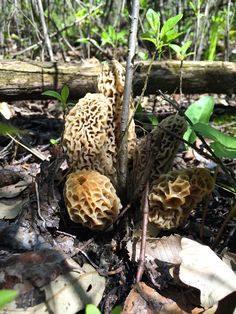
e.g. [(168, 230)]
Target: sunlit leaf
[(8, 129), (153, 119), (65, 93), (148, 37), (222, 151), (52, 93), (91, 309), (199, 111), (176, 48), (215, 135), (153, 19), (185, 47), (171, 35), (169, 24), (6, 296)]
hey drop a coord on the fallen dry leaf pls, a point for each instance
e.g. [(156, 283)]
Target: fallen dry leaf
[(203, 269), (165, 249), (45, 283), (145, 300)]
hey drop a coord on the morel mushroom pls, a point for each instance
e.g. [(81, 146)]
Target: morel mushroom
[(155, 153), (89, 137), (111, 83), (175, 194), (91, 199)]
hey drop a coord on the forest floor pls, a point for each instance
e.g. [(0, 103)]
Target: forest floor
[(34, 222)]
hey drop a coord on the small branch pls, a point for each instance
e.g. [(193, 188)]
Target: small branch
[(228, 217), (123, 149), (34, 46), (141, 264), (45, 31)]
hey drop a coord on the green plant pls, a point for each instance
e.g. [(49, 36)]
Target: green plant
[(217, 23), (7, 296), (92, 309), (199, 114), (110, 36), (62, 96), (181, 51), (161, 36), (199, 111), (6, 129), (223, 145)]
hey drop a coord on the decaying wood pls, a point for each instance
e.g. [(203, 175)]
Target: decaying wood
[(27, 80)]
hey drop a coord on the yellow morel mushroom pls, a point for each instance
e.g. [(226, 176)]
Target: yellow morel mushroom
[(91, 199), (89, 137), (111, 83), (175, 194)]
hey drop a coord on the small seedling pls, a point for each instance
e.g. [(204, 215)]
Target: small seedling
[(62, 96)]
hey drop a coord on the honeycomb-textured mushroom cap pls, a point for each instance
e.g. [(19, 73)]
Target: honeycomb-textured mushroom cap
[(111, 83), (155, 153), (89, 137), (174, 195), (91, 199)]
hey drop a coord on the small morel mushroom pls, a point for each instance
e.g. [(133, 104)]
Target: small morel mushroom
[(91, 199), (173, 195)]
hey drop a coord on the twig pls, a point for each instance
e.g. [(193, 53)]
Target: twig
[(141, 263), (205, 207), (45, 31), (107, 55), (228, 217), (216, 159), (123, 149), (38, 204), (31, 150), (34, 46)]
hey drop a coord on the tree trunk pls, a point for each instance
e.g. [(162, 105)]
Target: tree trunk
[(27, 80)]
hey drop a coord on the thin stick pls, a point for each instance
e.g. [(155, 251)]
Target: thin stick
[(31, 150), (34, 46), (123, 149), (141, 264), (228, 217), (45, 31)]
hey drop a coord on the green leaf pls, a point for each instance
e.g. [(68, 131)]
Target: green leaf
[(6, 128), (169, 24), (215, 135), (153, 119), (153, 19), (91, 309), (52, 93), (199, 111), (7, 296), (146, 36), (185, 47), (171, 35), (82, 40), (222, 151), (65, 93), (176, 48), (117, 310), (54, 141)]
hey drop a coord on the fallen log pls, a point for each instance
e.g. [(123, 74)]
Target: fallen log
[(27, 80)]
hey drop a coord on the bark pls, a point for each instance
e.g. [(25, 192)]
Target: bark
[(27, 80)]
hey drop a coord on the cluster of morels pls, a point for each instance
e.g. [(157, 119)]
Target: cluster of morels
[(91, 138)]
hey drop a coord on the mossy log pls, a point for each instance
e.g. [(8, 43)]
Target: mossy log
[(27, 80)]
